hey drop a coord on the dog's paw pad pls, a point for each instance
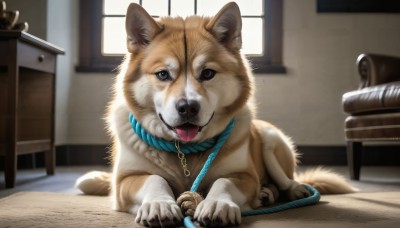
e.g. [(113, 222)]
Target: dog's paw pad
[(268, 195), (217, 213), (298, 191), (159, 213)]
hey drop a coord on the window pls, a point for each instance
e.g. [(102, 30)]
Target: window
[(100, 20)]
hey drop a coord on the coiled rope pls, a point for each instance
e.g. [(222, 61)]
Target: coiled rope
[(161, 144)]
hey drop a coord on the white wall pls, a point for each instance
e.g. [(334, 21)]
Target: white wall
[(80, 98), (319, 52), (89, 97), (61, 31)]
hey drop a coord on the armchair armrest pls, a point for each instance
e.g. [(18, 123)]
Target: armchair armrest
[(377, 69)]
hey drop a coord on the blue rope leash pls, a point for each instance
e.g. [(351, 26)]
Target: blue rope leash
[(188, 223), (313, 199), (164, 145), (221, 140)]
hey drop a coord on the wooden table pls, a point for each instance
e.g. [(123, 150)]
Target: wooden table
[(27, 99)]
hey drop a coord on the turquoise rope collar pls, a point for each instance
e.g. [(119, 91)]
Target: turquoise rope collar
[(168, 146), (164, 145)]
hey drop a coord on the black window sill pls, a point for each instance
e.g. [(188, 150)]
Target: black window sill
[(269, 69), (96, 69)]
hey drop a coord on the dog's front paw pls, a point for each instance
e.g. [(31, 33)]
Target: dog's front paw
[(217, 213), (298, 191), (268, 195), (159, 213)]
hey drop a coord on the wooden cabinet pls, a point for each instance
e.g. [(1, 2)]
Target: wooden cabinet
[(27, 99)]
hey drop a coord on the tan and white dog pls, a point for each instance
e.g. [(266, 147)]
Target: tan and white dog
[(185, 80)]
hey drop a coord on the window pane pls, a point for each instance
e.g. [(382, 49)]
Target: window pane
[(114, 36), (156, 7), (247, 7), (252, 35), (117, 7), (182, 8)]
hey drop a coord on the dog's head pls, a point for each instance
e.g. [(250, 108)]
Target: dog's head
[(185, 79)]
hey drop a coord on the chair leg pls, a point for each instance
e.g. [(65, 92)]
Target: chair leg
[(354, 156)]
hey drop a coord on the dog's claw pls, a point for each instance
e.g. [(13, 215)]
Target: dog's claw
[(159, 213), (268, 195), (217, 213), (298, 191)]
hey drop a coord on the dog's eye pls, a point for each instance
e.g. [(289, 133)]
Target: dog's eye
[(163, 75), (207, 74)]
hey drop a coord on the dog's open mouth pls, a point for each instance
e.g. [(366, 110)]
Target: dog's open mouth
[(187, 132)]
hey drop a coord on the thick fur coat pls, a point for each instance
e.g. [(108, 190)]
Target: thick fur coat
[(184, 80)]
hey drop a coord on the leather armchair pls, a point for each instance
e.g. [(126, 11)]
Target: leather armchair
[(374, 108)]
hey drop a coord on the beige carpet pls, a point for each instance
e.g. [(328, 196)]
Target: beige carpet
[(38, 209)]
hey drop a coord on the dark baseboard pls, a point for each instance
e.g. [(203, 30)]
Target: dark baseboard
[(386, 155), (77, 155), (66, 155)]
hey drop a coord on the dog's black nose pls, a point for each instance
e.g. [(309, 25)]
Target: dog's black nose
[(187, 108)]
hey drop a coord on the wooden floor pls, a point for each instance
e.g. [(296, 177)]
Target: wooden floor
[(373, 179)]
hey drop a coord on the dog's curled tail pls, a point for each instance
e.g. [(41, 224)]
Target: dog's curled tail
[(325, 181), (94, 183)]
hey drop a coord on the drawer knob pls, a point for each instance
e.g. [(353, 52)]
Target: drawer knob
[(41, 58)]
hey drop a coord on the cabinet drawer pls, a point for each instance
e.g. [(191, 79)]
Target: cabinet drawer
[(35, 58)]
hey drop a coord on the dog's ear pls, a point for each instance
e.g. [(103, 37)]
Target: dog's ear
[(226, 26), (140, 27)]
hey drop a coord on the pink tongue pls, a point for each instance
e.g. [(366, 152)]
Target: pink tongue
[(187, 132)]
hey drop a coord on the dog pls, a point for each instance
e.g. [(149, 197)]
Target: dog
[(184, 81)]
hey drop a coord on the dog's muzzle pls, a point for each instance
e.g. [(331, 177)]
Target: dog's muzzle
[(186, 132)]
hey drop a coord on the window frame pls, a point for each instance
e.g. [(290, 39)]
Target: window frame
[(90, 34)]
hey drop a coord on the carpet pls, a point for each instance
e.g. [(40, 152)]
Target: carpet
[(42, 209)]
